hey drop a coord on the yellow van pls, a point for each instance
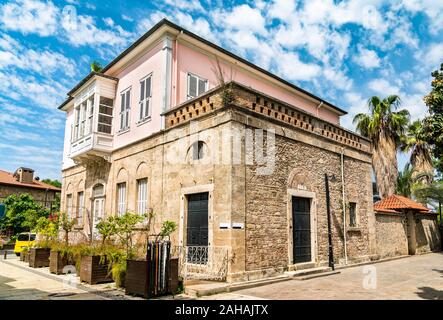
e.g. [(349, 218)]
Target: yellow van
[(25, 239)]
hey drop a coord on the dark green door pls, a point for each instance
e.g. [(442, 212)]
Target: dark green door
[(301, 229), (197, 223)]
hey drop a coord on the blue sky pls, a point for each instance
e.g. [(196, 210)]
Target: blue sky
[(343, 51)]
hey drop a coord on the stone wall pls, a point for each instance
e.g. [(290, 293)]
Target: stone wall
[(427, 233), (39, 195), (392, 238), (302, 167)]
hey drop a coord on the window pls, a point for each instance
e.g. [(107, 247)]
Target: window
[(105, 115), (196, 86), (145, 98), (69, 205), (80, 205), (142, 196), (124, 109), (90, 114), (198, 150), (352, 214), (121, 198), (82, 119)]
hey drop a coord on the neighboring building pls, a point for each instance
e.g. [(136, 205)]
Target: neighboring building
[(405, 227), (156, 131), (23, 181)]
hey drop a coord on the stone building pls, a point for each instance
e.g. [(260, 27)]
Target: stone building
[(235, 155), (405, 227), (23, 181)]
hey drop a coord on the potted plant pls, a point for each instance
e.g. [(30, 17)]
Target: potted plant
[(124, 230), (94, 264), (39, 255), (60, 255), (140, 271)]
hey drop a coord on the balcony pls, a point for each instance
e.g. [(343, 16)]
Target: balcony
[(91, 132)]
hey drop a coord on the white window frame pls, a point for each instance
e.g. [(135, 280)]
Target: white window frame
[(121, 198), (142, 195), (189, 76), (125, 121), (145, 104)]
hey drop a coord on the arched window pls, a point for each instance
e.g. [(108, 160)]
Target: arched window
[(198, 150), (98, 190)]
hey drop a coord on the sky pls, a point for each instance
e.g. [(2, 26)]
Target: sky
[(343, 51)]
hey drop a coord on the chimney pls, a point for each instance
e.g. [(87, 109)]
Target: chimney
[(24, 175)]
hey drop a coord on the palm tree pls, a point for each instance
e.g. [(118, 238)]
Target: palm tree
[(404, 181), (421, 155), (384, 127)]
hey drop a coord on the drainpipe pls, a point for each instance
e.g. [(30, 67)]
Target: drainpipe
[(344, 204), (328, 213)]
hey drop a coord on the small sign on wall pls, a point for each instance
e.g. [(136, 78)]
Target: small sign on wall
[(238, 225), (301, 187), (224, 225)]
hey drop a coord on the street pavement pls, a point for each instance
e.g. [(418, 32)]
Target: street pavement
[(415, 277)]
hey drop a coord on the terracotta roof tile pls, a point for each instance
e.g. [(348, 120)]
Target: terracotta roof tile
[(397, 203), (8, 178)]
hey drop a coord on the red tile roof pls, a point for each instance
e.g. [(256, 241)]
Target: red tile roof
[(396, 203), (7, 178)]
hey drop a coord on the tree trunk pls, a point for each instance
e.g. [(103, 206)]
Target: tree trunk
[(384, 163), (422, 163)]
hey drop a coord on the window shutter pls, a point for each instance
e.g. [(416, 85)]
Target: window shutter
[(192, 86), (148, 87), (122, 102), (201, 86), (142, 90), (128, 99)]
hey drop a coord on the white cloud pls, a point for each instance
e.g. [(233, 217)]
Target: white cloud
[(383, 87), (29, 16), (356, 104), (282, 9), (188, 5), (431, 56), (290, 67), (243, 18), (366, 58), (432, 8)]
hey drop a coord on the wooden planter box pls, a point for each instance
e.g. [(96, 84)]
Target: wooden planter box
[(24, 256), (136, 277), (39, 257), (57, 263), (92, 272)]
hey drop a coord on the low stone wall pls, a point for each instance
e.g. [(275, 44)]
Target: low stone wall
[(427, 233), (391, 235)]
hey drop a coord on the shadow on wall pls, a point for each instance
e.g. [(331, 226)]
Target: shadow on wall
[(429, 239)]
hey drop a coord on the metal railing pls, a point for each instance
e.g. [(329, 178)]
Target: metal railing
[(202, 262)]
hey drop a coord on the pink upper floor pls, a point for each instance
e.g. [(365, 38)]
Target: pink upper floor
[(185, 59)]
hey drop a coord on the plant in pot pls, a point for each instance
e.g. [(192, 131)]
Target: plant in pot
[(140, 272), (94, 260), (61, 253), (39, 254), (125, 226)]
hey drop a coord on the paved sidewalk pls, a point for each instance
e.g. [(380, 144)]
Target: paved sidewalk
[(19, 284), (415, 277)]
